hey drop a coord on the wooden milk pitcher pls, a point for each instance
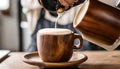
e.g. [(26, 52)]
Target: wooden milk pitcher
[(99, 23)]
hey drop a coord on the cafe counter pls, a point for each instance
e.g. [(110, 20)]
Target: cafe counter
[(96, 60)]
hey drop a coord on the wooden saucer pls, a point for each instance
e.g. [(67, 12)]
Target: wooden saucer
[(34, 59)]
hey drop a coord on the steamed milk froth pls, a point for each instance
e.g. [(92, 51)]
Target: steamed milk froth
[(54, 31)]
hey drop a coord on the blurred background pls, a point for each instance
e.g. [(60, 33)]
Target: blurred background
[(14, 28)]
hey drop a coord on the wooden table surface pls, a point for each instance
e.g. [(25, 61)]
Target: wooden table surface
[(96, 60)]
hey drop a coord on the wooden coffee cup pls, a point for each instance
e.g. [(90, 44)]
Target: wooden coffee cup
[(99, 23), (56, 45)]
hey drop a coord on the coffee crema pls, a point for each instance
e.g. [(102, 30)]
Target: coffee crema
[(54, 31)]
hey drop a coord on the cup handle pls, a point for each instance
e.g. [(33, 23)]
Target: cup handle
[(77, 36)]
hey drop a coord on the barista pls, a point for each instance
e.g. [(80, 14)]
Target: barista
[(39, 18)]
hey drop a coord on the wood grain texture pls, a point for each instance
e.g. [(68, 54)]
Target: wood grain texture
[(57, 48), (34, 59), (101, 23), (96, 60)]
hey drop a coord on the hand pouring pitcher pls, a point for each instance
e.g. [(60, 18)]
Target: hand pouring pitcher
[(99, 23), (55, 6)]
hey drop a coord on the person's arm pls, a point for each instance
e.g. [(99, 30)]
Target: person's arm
[(29, 5), (31, 8)]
